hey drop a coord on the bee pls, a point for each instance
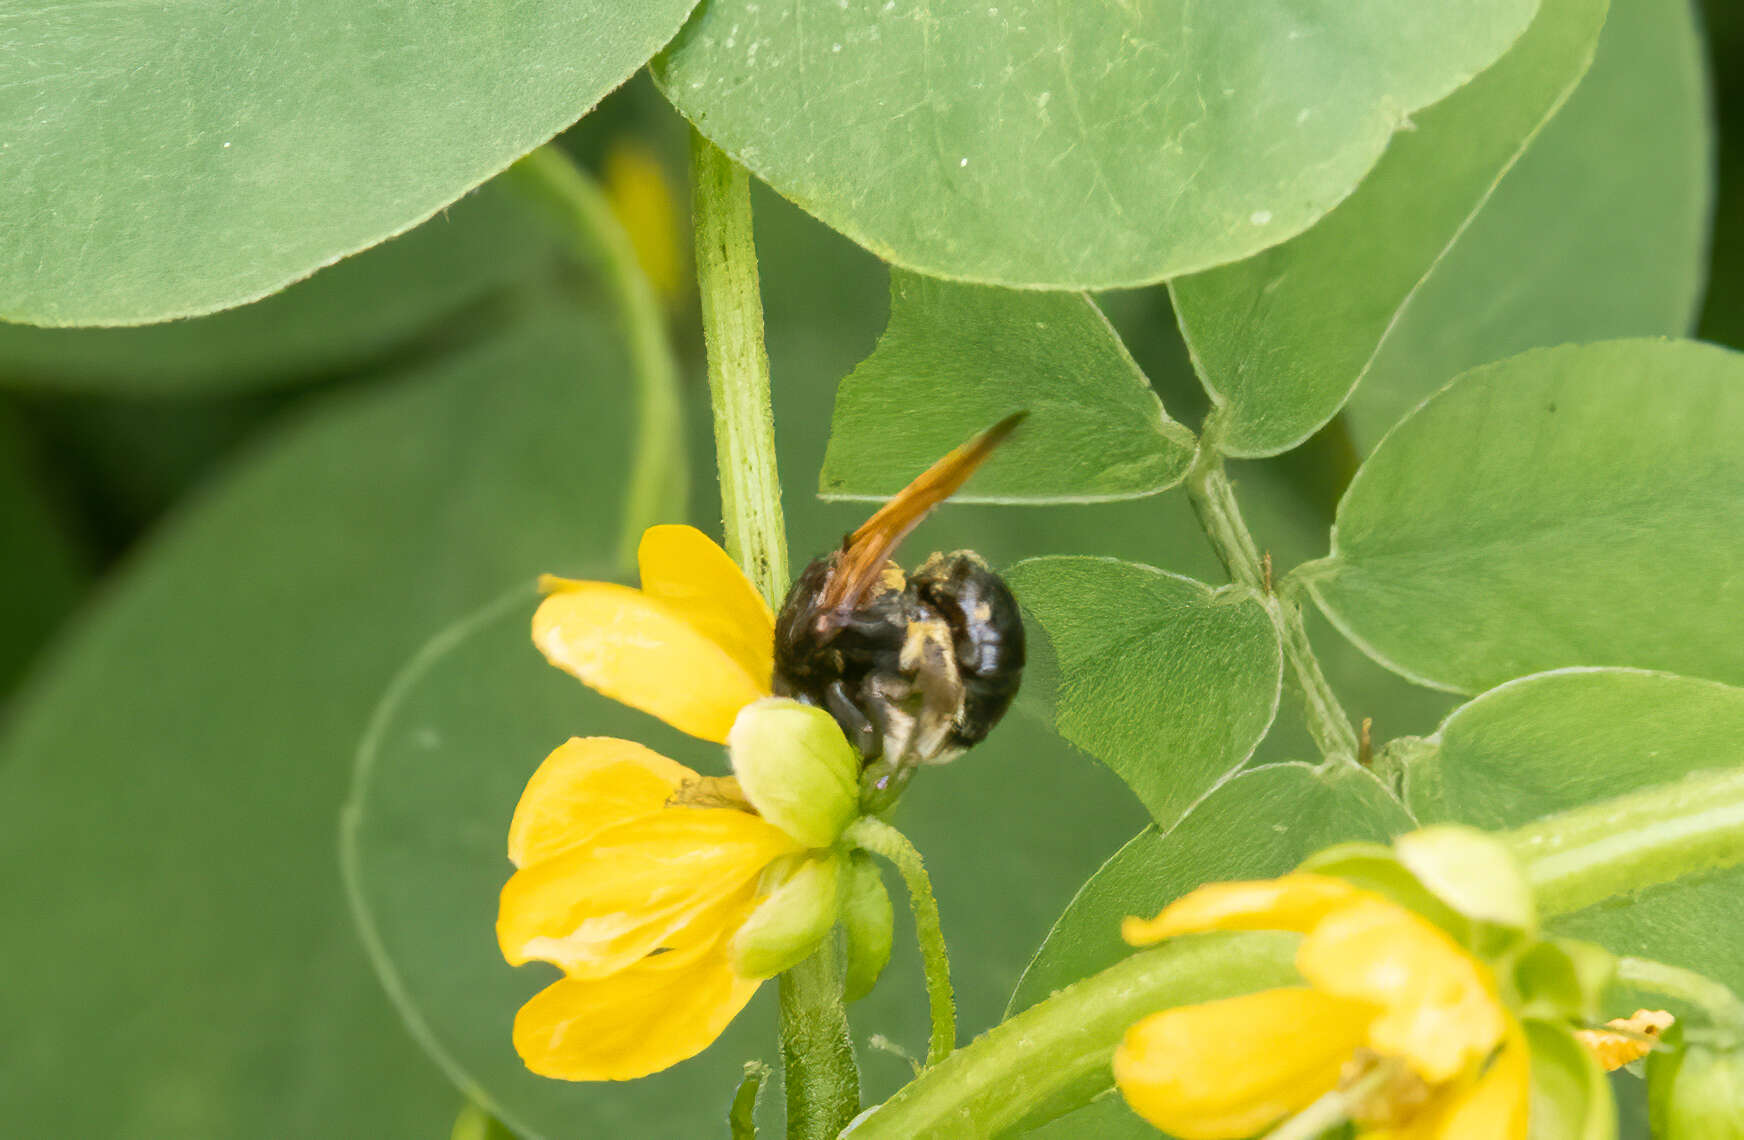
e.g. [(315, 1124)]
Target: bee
[(914, 667)]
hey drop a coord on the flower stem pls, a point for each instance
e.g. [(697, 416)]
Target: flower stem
[(738, 367), (881, 839), (822, 1078), (1619, 846), (1214, 501), (1713, 998), (659, 485), (1054, 1056)]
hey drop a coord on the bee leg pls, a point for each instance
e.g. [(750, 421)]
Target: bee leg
[(929, 657), (856, 725), (882, 781)]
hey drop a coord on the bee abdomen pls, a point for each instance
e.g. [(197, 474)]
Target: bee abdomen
[(986, 631)]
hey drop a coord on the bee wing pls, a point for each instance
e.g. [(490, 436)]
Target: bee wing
[(867, 549)]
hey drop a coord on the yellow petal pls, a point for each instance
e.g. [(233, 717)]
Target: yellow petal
[(1294, 902), (660, 880), (1621, 1041), (682, 567), (1439, 1008), (638, 1021), (586, 785), (1229, 1068), (1494, 1106), (637, 649)]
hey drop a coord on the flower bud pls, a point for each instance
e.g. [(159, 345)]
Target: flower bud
[(1473, 873), (792, 920), (1696, 1091), (796, 768), (867, 920)]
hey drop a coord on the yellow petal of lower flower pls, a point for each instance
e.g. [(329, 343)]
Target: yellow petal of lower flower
[(634, 888), (636, 649), (645, 1018), (1493, 1106), (1228, 1069), (682, 567), (585, 786), (1440, 1012), (1294, 902)]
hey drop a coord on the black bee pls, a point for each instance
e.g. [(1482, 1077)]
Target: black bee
[(914, 667)]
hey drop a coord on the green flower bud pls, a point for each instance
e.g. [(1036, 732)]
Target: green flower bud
[(792, 920), (867, 920), (1473, 873), (1696, 1091), (796, 768)]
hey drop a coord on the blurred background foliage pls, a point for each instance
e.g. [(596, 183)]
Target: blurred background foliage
[(224, 536)]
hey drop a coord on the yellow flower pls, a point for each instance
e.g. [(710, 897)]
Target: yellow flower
[(664, 897), (1393, 1008)]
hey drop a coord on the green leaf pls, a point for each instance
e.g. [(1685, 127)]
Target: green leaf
[(1170, 683), (1600, 230), (1571, 1099), (969, 356), (179, 160), (46, 568), (1557, 740), (1046, 143), (1569, 506), (1281, 339), (1257, 825), (341, 318), (178, 956)]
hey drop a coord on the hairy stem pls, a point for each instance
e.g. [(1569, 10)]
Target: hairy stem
[(883, 840), (658, 488), (1618, 846), (817, 1053), (1214, 501), (823, 1081), (738, 367)]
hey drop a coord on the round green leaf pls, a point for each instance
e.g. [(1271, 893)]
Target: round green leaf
[(1053, 144), (1170, 683), (1558, 740), (970, 355), (1569, 506), (184, 158), (1281, 339), (1600, 230), (341, 318), (178, 956)]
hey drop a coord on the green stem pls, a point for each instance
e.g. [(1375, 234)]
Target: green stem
[(817, 1052), (883, 840), (658, 487), (1054, 1056), (1713, 998), (823, 1081), (1219, 513), (1620, 846), (738, 367)]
